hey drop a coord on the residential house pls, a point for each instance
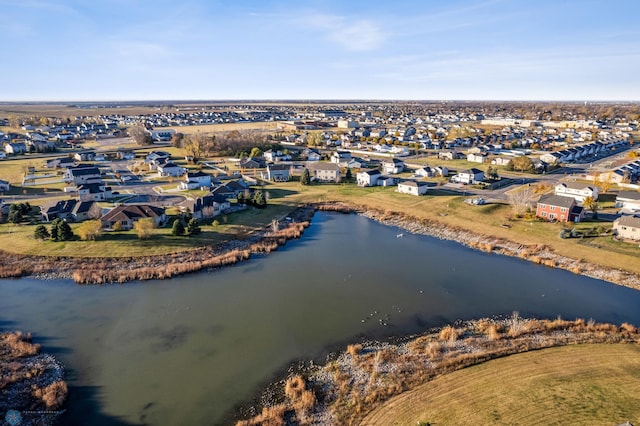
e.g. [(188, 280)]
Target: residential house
[(628, 200), (469, 176), (85, 210), (450, 155), (253, 163), (441, 171), (277, 172), (60, 162), (162, 135), (324, 172), (627, 227), (127, 214), (413, 188), (385, 181), (195, 180), (501, 161), (237, 186), (94, 192), (478, 157), (170, 169), (556, 207), (393, 166), (85, 156), (368, 177), (225, 192), (340, 157), (425, 172), (207, 206), (15, 148), (552, 158), (71, 210), (125, 154), (4, 186), (312, 154), (576, 190), (276, 156), (82, 173)]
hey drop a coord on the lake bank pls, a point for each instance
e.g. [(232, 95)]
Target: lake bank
[(31, 382), (365, 376), (120, 270)]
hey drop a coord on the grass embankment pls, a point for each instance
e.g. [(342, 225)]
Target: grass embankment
[(574, 383), (582, 384)]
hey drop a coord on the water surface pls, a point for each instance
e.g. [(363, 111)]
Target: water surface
[(189, 349)]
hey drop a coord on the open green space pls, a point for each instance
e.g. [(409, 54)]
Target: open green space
[(592, 384)]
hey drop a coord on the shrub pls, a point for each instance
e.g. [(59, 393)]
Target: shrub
[(449, 333), (354, 350), (41, 233)]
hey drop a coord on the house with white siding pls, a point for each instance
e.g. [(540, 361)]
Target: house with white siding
[(576, 190), (412, 187)]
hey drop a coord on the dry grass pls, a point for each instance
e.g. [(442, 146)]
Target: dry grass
[(540, 387), (352, 385), (52, 395)]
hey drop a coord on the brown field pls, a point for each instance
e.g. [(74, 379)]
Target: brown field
[(578, 385)]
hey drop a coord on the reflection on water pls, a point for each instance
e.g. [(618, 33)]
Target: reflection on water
[(187, 350)]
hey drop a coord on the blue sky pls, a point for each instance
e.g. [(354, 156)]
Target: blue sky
[(324, 49)]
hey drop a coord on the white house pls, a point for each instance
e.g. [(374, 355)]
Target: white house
[(627, 227), (312, 154), (425, 172), (477, 157), (469, 176), (324, 172), (162, 135), (576, 190), (339, 157), (628, 200), (368, 177), (393, 166), (195, 180), (170, 169), (413, 187)]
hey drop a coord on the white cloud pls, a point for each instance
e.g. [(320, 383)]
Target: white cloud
[(353, 35)]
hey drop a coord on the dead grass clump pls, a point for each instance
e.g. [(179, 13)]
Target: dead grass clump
[(294, 386), (434, 350), (53, 395), (488, 247), (354, 350), (629, 328), (449, 334), (18, 345), (270, 416)]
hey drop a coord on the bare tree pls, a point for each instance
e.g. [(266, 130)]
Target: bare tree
[(521, 200), (140, 134)]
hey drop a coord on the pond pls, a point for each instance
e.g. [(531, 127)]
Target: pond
[(190, 349)]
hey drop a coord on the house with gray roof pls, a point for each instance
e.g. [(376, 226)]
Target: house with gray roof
[(627, 227)]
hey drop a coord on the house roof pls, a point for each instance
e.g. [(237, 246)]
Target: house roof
[(628, 195), (576, 185), (83, 206), (133, 212), (557, 200), (280, 167), (631, 221), (371, 172), (322, 166)]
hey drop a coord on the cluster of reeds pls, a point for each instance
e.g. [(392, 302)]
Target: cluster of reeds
[(299, 400), (17, 344), (52, 395), (90, 274)]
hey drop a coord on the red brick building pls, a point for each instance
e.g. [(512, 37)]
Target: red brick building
[(562, 209)]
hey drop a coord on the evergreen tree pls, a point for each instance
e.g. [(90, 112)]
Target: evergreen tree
[(15, 214), (41, 233), (178, 228), (348, 175), (64, 231), (54, 230), (306, 177), (193, 227)]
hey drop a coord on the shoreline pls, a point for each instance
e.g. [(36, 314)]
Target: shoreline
[(121, 270), (354, 382)]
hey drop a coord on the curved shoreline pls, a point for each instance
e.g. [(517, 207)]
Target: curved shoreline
[(120, 270)]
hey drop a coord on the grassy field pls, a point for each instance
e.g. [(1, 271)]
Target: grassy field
[(577, 385)]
